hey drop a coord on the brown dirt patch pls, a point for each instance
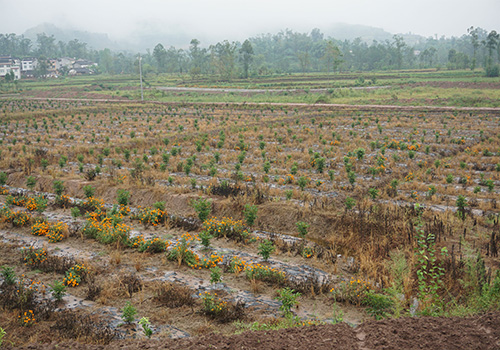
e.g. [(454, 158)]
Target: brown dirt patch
[(479, 332), (431, 333)]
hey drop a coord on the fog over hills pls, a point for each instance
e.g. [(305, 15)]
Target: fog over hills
[(149, 35)]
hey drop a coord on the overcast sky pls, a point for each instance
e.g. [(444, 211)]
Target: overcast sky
[(237, 19)]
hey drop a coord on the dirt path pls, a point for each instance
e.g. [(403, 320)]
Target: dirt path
[(480, 332), (259, 91), (303, 105)]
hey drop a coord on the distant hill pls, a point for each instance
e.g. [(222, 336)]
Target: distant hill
[(147, 36), (344, 31), (96, 41), (141, 39)]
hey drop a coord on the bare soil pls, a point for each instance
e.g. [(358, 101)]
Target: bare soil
[(479, 332)]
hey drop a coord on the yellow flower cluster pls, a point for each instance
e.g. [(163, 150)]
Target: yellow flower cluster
[(352, 291), (33, 256), (211, 305), (28, 318), (152, 245), (94, 204), (209, 263), (264, 273), (31, 204), (54, 232), (409, 177), (63, 201), (151, 216), (104, 230), (225, 227), (40, 229), (289, 178), (74, 275), (256, 271), (124, 210)]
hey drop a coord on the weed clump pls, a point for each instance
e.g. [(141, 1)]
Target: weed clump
[(173, 295)]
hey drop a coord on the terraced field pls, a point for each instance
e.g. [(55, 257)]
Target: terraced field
[(223, 218)]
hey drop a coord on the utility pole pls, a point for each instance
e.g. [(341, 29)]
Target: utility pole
[(140, 74)]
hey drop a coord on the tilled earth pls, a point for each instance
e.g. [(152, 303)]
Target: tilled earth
[(479, 332)]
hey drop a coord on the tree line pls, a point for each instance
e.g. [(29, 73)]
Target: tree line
[(284, 52)]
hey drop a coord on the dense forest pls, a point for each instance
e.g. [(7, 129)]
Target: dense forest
[(284, 52)]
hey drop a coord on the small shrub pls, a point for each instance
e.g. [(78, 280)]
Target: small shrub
[(88, 191), (350, 203), (144, 322), (128, 313), (250, 213), (2, 335), (58, 187), (449, 178), (30, 182), (492, 70), (288, 298), (123, 197), (75, 212), (379, 305), (3, 178), (58, 290), (203, 208), (215, 275), (302, 228), (265, 249), (8, 275), (302, 182), (373, 192), (205, 238)]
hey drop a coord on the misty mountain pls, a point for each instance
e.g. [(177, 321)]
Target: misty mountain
[(147, 36), (96, 41), (344, 31), (142, 38)]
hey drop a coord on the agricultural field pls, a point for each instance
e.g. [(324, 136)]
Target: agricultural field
[(123, 221), (429, 87)]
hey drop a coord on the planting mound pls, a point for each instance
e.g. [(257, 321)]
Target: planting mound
[(480, 332)]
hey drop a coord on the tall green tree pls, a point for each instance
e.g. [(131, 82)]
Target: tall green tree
[(46, 45), (474, 38), (223, 59), (246, 57), (198, 57), (491, 44), (160, 56), (332, 57), (42, 67)]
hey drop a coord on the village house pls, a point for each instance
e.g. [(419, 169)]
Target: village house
[(9, 64)]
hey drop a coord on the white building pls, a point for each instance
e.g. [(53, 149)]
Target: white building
[(28, 64), (8, 64)]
